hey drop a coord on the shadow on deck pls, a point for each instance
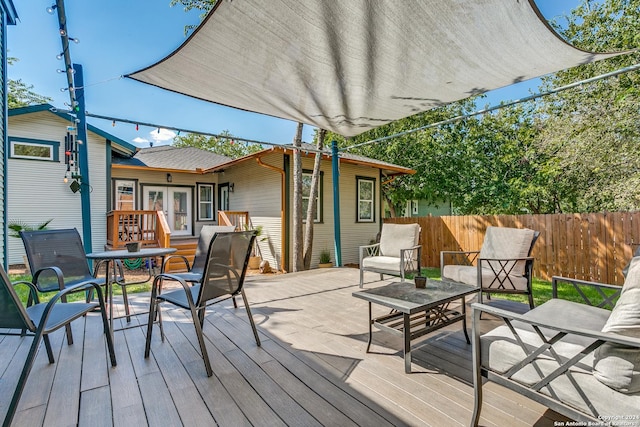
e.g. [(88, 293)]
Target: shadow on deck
[(312, 368)]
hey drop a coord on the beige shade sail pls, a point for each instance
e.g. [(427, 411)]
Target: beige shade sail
[(351, 65)]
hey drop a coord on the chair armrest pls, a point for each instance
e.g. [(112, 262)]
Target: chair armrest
[(33, 290), (56, 271), (607, 300), (560, 326), (181, 257), (457, 255), (417, 248), (369, 250), (505, 265)]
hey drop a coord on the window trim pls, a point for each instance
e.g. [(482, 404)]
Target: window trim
[(373, 200), (320, 211), (115, 192), (53, 145), (212, 186)]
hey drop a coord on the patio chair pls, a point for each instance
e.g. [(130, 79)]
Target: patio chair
[(397, 253), (223, 278), (581, 359), (41, 320), (195, 270), (57, 260), (503, 265)]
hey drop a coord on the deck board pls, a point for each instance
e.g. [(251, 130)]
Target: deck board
[(311, 369)]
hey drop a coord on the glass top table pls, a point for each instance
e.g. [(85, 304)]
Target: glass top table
[(111, 256), (417, 311)]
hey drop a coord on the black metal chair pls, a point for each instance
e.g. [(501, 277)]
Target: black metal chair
[(57, 260), (42, 319), (196, 269), (223, 278)]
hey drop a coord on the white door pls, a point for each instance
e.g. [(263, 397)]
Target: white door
[(224, 197), (175, 202)]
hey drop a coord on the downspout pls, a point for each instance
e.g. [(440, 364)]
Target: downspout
[(283, 221), (83, 154), (335, 162)]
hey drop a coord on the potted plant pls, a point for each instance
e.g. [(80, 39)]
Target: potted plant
[(16, 226), (325, 259), (255, 258)]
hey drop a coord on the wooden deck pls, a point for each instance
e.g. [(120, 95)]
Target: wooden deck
[(312, 369)]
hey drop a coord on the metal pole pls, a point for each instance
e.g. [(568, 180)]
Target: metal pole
[(335, 161), (83, 159)]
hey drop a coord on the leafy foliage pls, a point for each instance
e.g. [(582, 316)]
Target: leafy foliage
[(20, 94), (225, 145)]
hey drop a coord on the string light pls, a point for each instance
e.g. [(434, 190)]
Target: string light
[(137, 127), (75, 40), (60, 55), (52, 9), (113, 123), (63, 32)]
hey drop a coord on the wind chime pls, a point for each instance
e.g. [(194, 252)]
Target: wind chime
[(71, 159)]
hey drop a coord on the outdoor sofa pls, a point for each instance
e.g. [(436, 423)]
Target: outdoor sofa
[(580, 360)]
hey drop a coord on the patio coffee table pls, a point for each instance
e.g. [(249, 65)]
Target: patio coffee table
[(417, 312)]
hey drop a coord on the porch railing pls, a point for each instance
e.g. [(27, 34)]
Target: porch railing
[(150, 228), (239, 219)]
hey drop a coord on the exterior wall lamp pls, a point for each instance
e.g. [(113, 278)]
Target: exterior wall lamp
[(169, 178), (231, 187)]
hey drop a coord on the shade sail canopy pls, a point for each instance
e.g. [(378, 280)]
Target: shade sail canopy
[(352, 65)]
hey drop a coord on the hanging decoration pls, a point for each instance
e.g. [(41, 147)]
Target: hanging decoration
[(71, 158)]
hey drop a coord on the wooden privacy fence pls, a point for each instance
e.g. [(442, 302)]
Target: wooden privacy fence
[(593, 247)]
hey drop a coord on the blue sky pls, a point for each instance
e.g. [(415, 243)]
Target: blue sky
[(121, 36)]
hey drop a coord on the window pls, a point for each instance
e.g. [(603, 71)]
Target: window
[(366, 199), (205, 202), (34, 149), (125, 195), (306, 192)]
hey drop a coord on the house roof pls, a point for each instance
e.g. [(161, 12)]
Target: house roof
[(167, 157), (349, 66), (120, 145), (12, 15), (389, 169)]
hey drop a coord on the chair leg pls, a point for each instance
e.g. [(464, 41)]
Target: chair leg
[(28, 364), (152, 309), (47, 345), (477, 377), (253, 325), (67, 328), (126, 302), (108, 332), (361, 276), (203, 347), (531, 300), (235, 303)]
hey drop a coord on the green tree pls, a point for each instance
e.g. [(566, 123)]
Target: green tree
[(20, 94), (592, 134), (225, 145)]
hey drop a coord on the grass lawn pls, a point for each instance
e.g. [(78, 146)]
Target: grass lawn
[(23, 290), (542, 290)]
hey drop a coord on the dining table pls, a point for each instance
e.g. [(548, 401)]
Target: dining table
[(110, 258)]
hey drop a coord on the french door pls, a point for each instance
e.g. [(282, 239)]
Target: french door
[(176, 204)]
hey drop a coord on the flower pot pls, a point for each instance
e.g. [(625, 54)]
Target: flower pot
[(254, 262), (325, 265)]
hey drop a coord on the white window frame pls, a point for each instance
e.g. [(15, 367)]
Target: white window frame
[(53, 147), (203, 203), (318, 200), (372, 201), (125, 182)]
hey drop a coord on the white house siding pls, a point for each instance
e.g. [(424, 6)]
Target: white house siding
[(36, 191), (352, 234), (257, 190), (178, 179)]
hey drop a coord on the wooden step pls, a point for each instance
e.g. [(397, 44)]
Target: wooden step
[(186, 248)]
